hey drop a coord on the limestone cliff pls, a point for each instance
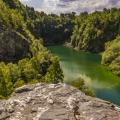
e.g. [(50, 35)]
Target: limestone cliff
[(13, 46), (55, 102)]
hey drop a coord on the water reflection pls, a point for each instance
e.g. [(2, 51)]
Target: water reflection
[(87, 66)]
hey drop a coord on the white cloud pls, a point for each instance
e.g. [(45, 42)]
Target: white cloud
[(24, 0), (58, 6)]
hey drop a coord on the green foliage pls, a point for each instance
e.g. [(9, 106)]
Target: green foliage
[(54, 72), (80, 84), (52, 28), (6, 85), (19, 83), (92, 31), (10, 17), (39, 64), (111, 56), (41, 67), (27, 71)]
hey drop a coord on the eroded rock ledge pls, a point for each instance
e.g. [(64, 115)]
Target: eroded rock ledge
[(55, 102)]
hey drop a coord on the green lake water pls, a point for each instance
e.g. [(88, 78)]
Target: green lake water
[(87, 66)]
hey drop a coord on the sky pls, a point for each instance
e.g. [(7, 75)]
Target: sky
[(63, 6)]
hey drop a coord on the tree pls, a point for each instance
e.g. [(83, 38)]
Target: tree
[(54, 73)]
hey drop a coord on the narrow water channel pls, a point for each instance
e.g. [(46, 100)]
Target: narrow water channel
[(87, 66)]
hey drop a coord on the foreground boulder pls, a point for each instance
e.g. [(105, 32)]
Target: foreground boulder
[(55, 102)]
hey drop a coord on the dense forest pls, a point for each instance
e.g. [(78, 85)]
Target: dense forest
[(111, 56), (23, 57), (23, 31), (92, 31), (52, 28)]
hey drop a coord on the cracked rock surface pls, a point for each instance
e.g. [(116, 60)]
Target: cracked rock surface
[(55, 102)]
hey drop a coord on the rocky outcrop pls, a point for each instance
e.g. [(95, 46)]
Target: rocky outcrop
[(55, 102), (13, 46)]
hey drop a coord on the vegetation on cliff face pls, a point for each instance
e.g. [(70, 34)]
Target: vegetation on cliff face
[(111, 56), (80, 84), (52, 28), (23, 58), (93, 30), (42, 67), (23, 30)]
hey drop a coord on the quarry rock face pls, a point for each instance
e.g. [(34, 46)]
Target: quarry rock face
[(13, 46), (55, 102)]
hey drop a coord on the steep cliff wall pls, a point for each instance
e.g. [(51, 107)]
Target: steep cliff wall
[(13, 46)]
